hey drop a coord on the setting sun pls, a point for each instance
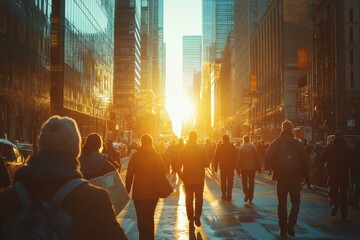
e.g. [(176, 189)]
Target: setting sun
[(182, 109)]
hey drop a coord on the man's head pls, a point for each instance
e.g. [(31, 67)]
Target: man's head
[(246, 138), (60, 134), (146, 140), (192, 136), (287, 126), (225, 138)]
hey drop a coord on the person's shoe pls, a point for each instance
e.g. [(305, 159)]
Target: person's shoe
[(223, 197), (334, 211), (197, 222), (191, 225), (229, 197), (250, 200), (246, 198), (283, 232), (291, 230)]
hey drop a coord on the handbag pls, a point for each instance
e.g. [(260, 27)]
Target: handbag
[(162, 184)]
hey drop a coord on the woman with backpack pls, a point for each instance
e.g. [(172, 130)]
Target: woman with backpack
[(54, 166)]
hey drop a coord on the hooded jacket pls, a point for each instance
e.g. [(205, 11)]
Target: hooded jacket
[(90, 207), (95, 165), (140, 173), (248, 157), (191, 163)]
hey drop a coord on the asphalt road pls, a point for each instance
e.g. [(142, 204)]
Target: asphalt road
[(236, 220)]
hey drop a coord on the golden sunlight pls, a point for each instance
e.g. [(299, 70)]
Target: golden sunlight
[(180, 109)]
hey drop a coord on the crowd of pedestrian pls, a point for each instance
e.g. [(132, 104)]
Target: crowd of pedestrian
[(61, 158)]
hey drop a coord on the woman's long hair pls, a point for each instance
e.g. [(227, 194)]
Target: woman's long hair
[(93, 142)]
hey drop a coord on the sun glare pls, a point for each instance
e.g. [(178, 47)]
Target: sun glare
[(182, 109)]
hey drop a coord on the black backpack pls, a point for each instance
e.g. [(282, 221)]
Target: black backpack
[(41, 220), (287, 156)]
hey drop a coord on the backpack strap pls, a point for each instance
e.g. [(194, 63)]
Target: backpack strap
[(23, 195), (67, 188)]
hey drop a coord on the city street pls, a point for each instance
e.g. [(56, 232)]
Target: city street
[(236, 220)]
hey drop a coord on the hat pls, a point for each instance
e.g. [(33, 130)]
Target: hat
[(287, 126), (60, 134), (339, 134)]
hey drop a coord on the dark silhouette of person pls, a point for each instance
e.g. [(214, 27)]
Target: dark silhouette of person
[(113, 156), (140, 177), (287, 157), (93, 163), (338, 158), (191, 163), (4, 174), (55, 164), (248, 162), (225, 159)]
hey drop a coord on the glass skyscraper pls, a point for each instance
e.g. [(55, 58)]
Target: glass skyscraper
[(82, 61), (191, 61)]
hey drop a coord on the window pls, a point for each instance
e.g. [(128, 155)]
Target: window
[(351, 35), (351, 78), (351, 15)]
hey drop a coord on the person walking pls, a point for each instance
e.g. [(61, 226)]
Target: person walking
[(210, 149), (55, 164), (191, 163), (248, 162), (140, 176), (225, 159), (93, 163), (337, 157), (287, 157)]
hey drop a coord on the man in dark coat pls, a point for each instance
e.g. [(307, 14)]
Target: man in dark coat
[(55, 164), (225, 157), (337, 157), (191, 163), (287, 158)]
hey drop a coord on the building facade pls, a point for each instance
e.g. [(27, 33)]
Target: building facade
[(81, 66), (334, 67), (25, 67), (274, 46)]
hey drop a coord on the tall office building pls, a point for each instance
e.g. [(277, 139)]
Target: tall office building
[(247, 15), (218, 23), (25, 66), (81, 66), (127, 57), (191, 62)]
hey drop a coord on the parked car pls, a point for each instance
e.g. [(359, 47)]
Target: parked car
[(13, 157), (25, 148)]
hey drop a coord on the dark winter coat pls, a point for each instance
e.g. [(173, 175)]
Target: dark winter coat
[(95, 165), (225, 157), (337, 158), (90, 207), (272, 151), (191, 163), (248, 158), (140, 173), (4, 174)]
